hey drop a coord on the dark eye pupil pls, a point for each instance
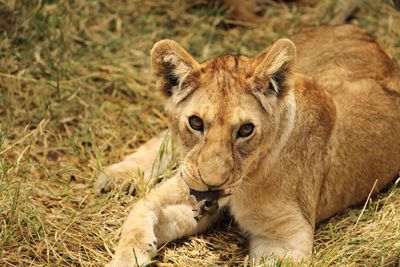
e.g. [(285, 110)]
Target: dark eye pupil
[(196, 123), (246, 130)]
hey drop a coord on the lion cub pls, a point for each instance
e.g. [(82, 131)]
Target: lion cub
[(285, 140)]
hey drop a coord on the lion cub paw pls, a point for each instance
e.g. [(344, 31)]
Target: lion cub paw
[(131, 258), (137, 249), (121, 177)]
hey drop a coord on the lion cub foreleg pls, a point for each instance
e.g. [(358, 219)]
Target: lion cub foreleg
[(287, 237), (277, 228), (165, 214)]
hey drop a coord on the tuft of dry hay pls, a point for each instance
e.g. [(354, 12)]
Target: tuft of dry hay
[(76, 94)]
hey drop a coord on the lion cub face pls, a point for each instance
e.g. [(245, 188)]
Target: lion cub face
[(226, 113)]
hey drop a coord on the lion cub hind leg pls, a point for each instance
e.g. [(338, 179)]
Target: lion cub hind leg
[(139, 169), (165, 214)]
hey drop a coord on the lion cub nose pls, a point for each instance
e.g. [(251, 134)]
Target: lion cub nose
[(214, 180), (214, 166)]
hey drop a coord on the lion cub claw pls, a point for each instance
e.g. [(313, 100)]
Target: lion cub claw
[(105, 184), (120, 179)]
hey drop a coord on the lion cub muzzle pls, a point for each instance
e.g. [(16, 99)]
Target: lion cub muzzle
[(214, 162)]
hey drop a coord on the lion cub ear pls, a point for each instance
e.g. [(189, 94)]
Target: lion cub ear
[(172, 65), (274, 67)]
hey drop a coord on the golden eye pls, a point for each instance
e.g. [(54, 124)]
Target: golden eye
[(196, 123), (245, 130)]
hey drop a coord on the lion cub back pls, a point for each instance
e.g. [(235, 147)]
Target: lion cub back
[(335, 55), (365, 86)]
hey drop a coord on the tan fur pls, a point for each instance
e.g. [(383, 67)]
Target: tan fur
[(327, 126)]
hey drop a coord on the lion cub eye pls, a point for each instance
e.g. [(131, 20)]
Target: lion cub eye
[(196, 123), (245, 130)]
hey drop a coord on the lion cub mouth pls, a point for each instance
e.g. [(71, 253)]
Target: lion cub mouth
[(207, 202)]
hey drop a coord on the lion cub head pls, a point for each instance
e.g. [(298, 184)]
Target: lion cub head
[(228, 114)]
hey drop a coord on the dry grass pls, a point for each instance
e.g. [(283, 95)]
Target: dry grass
[(76, 94)]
